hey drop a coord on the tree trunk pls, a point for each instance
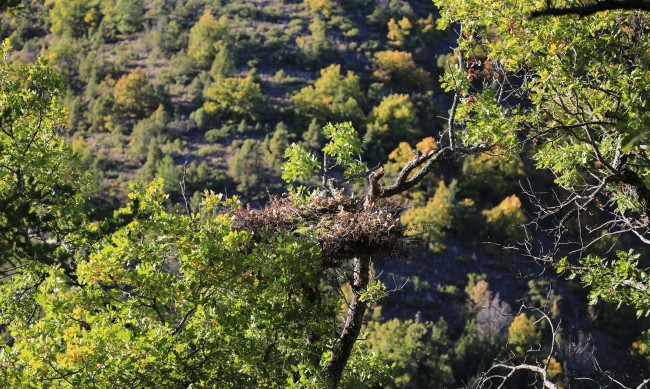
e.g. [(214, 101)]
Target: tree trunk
[(353, 322)]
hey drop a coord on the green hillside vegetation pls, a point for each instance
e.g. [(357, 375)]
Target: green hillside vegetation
[(323, 193), (225, 72)]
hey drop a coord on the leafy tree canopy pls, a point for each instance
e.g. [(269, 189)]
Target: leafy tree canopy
[(40, 182), (577, 89), (158, 295)]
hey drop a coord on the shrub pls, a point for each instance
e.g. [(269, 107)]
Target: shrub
[(416, 348), (504, 222), (398, 69), (432, 221), (395, 117), (233, 97), (134, 95), (203, 36), (332, 98)]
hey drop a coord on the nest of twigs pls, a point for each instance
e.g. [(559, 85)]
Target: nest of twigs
[(343, 227)]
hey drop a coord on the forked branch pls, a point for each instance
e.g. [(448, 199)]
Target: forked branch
[(424, 162)]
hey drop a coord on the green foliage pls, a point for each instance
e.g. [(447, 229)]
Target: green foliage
[(375, 291), (217, 135), (181, 68), (416, 349), (72, 17), (128, 15), (621, 280), (100, 107), (586, 89), (154, 155), (300, 164), (433, 220), (9, 5), (41, 184), (134, 95), (471, 355), (65, 54), (407, 33), (342, 153), (170, 173), (82, 149), (144, 131), (313, 138), (245, 165), (365, 368), (523, 336), (398, 69), (395, 115), (233, 97), (224, 61), (504, 223), (567, 70), (154, 295), (393, 8), (203, 35), (487, 177), (345, 147), (313, 46), (323, 7), (274, 146), (332, 98), (189, 287)]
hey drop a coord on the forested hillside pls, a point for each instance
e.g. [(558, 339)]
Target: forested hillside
[(222, 87), (324, 193)]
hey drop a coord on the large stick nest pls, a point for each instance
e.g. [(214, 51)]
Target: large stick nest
[(343, 227)]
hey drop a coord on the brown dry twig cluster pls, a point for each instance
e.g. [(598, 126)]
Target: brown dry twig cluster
[(343, 227)]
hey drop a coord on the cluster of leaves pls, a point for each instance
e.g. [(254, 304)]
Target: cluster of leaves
[(622, 280), (435, 218), (170, 299), (505, 221), (589, 124), (417, 349), (41, 186)]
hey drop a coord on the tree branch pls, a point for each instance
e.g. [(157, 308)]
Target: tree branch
[(590, 9), (402, 183)]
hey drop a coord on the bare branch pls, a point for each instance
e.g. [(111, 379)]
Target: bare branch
[(493, 373), (490, 376)]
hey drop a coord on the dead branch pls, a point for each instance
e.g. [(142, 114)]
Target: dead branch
[(490, 375), (503, 371)]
